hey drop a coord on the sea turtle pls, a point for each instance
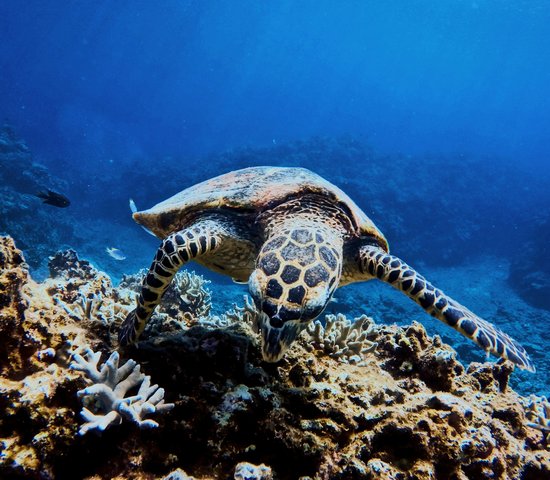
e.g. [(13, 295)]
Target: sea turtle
[(294, 237)]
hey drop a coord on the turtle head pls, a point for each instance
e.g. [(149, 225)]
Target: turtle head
[(291, 285), (281, 321)]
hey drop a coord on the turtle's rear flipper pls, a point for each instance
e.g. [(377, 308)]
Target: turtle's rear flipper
[(375, 262), (201, 238)]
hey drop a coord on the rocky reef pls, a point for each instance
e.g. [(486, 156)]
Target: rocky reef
[(530, 274), (350, 400)]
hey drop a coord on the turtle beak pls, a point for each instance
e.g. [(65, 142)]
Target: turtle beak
[(276, 340)]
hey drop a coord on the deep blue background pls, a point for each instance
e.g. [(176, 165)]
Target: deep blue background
[(95, 82), (444, 106)]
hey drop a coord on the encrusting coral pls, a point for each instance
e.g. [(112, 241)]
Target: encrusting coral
[(107, 394), (406, 410), (243, 471)]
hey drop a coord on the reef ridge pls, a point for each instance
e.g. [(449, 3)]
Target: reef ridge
[(350, 400)]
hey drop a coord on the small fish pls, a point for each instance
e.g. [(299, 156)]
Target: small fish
[(53, 198), (115, 253)]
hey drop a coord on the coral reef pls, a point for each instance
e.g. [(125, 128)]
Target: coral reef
[(37, 391), (188, 293), (243, 471), (350, 400), (107, 394), (342, 339), (85, 294), (186, 302), (538, 414), (247, 471), (21, 177), (398, 206)]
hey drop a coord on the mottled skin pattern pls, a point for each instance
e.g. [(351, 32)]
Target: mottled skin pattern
[(394, 271), (202, 238), (295, 247)]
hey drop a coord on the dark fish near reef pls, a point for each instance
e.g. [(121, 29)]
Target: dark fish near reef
[(53, 198)]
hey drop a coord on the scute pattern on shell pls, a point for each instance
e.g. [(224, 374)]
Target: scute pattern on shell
[(252, 190)]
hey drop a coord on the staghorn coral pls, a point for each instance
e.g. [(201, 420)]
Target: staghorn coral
[(94, 308), (107, 394), (188, 294), (341, 338), (247, 313)]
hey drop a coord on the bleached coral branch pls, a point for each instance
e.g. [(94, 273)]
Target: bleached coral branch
[(106, 395)]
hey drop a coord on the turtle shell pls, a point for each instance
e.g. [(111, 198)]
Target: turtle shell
[(251, 190)]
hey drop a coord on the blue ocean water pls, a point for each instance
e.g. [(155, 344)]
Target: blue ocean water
[(433, 116)]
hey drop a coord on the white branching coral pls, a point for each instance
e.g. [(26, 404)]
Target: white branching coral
[(340, 338), (105, 401), (538, 414)]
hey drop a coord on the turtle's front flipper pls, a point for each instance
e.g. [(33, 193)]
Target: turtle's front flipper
[(376, 263), (180, 247)]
